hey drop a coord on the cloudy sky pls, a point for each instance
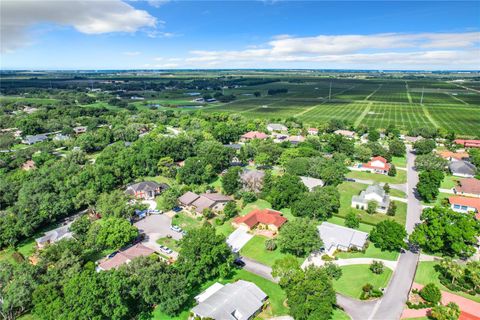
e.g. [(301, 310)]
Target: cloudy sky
[(163, 34)]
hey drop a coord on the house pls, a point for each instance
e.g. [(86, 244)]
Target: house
[(335, 237), (28, 165), (253, 135), (276, 127), (345, 133), (376, 164), (34, 139), (453, 156), (465, 205), (469, 187), (241, 300), (468, 143), (462, 168), (312, 131), (214, 201), (54, 235), (296, 139), (79, 130), (412, 140), (312, 183), (252, 180), (266, 219), (125, 256), (146, 190), (372, 193)]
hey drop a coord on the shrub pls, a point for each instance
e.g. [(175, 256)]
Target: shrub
[(431, 293), (333, 271), (249, 197), (18, 257), (377, 267), (352, 220), (270, 245)]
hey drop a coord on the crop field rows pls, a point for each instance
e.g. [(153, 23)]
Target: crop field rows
[(460, 119)]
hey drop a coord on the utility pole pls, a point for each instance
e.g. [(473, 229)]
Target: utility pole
[(421, 99), (330, 91)]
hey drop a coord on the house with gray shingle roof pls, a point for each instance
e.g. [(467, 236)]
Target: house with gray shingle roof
[(373, 193), (146, 189), (312, 183), (54, 235), (335, 237), (462, 169), (34, 139), (241, 300), (252, 180), (276, 127), (198, 203)]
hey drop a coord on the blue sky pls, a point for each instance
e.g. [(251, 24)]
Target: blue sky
[(160, 34)]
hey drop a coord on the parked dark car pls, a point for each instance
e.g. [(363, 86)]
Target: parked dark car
[(238, 262), (177, 209)]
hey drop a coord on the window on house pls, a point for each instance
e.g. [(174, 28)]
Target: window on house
[(456, 206)]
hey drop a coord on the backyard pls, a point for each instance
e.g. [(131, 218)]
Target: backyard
[(401, 176), (255, 249)]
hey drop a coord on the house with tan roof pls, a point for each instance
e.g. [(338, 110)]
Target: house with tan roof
[(465, 205), (122, 257), (312, 131), (469, 187), (345, 133), (453, 156), (198, 203), (253, 135), (266, 219)]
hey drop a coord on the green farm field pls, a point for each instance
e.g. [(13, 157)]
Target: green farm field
[(377, 103)]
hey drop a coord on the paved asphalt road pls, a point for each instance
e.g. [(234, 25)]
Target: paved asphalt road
[(393, 302)]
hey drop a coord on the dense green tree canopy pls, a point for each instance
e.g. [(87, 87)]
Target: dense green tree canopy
[(299, 237)]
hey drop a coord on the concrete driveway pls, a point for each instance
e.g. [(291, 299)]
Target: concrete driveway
[(152, 205), (238, 238), (157, 226)]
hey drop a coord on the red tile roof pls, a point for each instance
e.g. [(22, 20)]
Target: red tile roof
[(468, 143), (265, 216), (465, 201), (468, 185), (255, 135), (386, 165)]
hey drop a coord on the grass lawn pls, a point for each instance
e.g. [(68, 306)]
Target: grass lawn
[(449, 182), (371, 252), (397, 193), (26, 248), (426, 273), (339, 315), (349, 189), (399, 162), (226, 228), (341, 222), (401, 176), (439, 199), (185, 221), (259, 204), (169, 242), (159, 179), (355, 277), (255, 249), (217, 184), (276, 296)]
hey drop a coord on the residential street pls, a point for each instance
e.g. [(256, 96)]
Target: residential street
[(393, 302)]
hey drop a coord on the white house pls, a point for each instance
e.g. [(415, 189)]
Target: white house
[(465, 205), (372, 193), (276, 127), (335, 237)]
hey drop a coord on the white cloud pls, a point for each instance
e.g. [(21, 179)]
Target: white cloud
[(157, 3), (392, 50), (131, 53), (160, 34), (87, 16)]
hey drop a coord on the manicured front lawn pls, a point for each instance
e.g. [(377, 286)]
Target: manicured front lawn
[(170, 243), (185, 221), (26, 248), (399, 162), (276, 296), (401, 176), (255, 249), (397, 193), (449, 182), (356, 276), (371, 252), (426, 273), (160, 179)]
